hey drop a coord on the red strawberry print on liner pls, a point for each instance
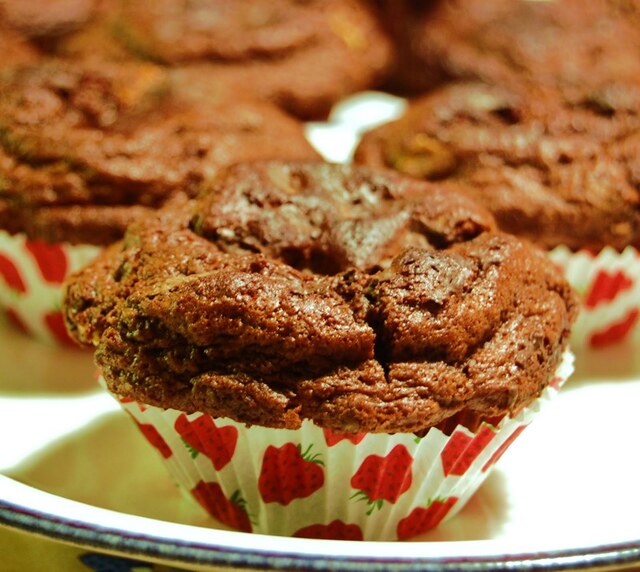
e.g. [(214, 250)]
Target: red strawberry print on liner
[(124, 400), (468, 419), (462, 450), (335, 530), (615, 332), (492, 421), (287, 473), (230, 511), (556, 382), (154, 438), (9, 271), (333, 438), (16, 320), (421, 519), (202, 435), (54, 321), (51, 260), (502, 448), (606, 286), (380, 479)]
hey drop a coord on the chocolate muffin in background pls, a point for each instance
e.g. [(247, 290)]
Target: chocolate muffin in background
[(558, 168), (565, 44), (87, 148), (334, 303), (398, 18), (15, 48), (46, 18), (94, 40), (558, 171), (304, 56)]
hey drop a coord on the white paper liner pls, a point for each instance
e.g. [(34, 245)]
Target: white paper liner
[(331, 494), (608, 284), (31, 276)]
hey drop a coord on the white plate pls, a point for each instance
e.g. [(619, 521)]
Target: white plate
[(566, 495), (74, 469)]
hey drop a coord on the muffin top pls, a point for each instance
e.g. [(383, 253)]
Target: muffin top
[(563, 44), (553, 168), (360, 299), (84, 149), (46, 18), (303, 56)]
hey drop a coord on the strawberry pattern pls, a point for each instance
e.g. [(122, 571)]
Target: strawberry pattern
[(288, 473), (332, 438), (152, 435), (380, 479), (306, 483), (502, 448), (615, 332), (11, 275), (463, 449), (14, 318), (606, 286), (31, 276), (421, 519), (609, 285), (50, 259), (335, 530), (202, 435), (231, 511)]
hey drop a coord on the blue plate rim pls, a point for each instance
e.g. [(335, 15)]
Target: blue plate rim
[(177, 551)]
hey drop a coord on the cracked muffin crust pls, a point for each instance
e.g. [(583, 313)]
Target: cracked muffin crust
[(85, 149), (360, 299), (558, 170), (302, 55)]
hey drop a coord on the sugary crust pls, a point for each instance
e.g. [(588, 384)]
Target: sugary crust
[(359, 299), (553, 168), (85, 148)]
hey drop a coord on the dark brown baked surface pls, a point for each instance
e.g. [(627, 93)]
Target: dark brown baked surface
[(85, 149), (360, 299), (304, 56), (562, 44), (553, 168)]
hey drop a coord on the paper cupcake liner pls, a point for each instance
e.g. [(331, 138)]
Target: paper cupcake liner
[(608, 284), (31, 276), (312, 482)]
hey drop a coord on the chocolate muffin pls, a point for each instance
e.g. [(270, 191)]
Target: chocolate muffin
[(564, 44), (304, 56), (95, 39), (15, 48), (555, 169), (361, 300), (85, 149), (47, 18)]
